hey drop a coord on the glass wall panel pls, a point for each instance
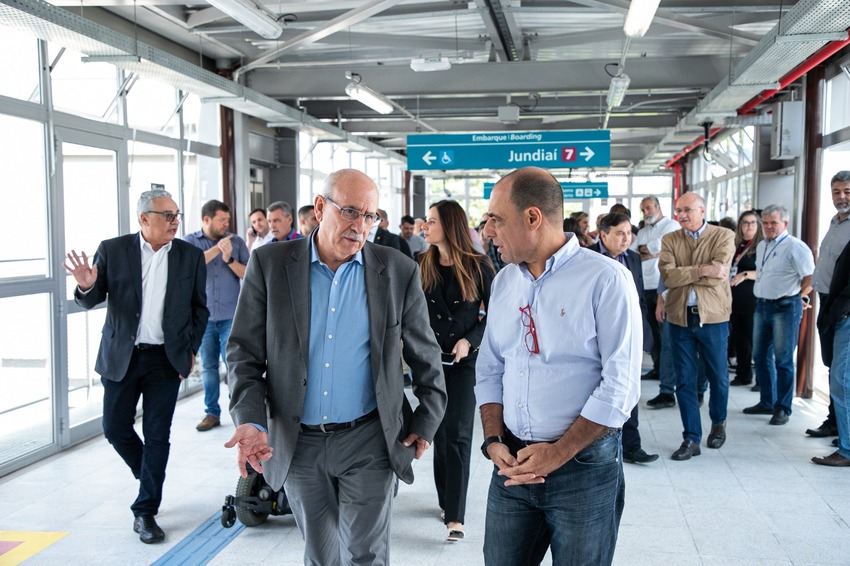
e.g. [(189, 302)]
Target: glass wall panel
[(202, 178), (89, 89), (90, 179), (85, 392), (19, 58), (837, 115), (151, 165), (23, 200), (201, 120), (152, 105), (26, 361)]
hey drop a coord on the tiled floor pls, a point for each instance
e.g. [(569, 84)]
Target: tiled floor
[(758, 500)]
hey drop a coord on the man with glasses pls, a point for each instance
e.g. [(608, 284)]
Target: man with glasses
[(784, 267), (694, 266), (330, 311), (558, 374), (155, 318), (226, 256)]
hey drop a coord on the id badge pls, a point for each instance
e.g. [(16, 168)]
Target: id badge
[(733, 271)]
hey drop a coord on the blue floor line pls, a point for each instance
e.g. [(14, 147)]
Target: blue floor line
[(202, 545)]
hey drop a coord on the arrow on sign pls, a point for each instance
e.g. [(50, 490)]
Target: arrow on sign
[(429, 157), (587, 153), (597, 192)]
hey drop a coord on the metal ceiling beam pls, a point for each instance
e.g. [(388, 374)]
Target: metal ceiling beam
[(502, 28), (448, 45)]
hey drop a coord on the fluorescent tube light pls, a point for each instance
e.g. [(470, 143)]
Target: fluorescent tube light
[(427, 64), (617, 90), (251, 16), (639, 17), (371, 98), (111, 59)]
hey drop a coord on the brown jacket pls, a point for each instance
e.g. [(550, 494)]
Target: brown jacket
[(681, 257)]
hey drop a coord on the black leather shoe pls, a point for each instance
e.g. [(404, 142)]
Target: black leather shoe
[(738, 382), (823, 430), (717, 436), (638, 456), (758, 409), (686, 451), (651, 374), (835, 442), (756, 388), (662, 401), (835, 460), (149, 531), (780, 417)]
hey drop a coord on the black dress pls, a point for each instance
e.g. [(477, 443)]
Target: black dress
[(743, 312), (452, 318)]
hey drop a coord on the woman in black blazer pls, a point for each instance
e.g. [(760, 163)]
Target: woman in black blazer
[(743, 272), (456, 279)]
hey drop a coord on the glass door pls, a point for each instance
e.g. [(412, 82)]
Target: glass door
[(92, 206)]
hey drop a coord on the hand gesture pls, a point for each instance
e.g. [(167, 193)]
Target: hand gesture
[(253, 447), (226, 247), (461, 349), (84, 275), (421, 444)]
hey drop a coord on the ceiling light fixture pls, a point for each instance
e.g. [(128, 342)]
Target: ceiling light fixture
[(366, 95), (428, 64), (639, 17), (250, 15), (617, 90)]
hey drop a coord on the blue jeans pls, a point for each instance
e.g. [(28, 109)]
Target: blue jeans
[(212, 348), (775, 332), (666, 370), (709, 340), (839, 384), (577, 511)]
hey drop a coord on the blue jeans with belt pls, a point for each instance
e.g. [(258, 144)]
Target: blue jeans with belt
[(775, 332), (212, 349), (577, 511), (710, 341)]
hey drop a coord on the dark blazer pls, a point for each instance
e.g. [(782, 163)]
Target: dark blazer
[(837, 305), (269, 346), (452, 318), (119, 282), (387, 238), (633, 259)]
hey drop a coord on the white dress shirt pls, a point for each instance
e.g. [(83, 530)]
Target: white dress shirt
[(154, 281), (587, 316), (650, 236)]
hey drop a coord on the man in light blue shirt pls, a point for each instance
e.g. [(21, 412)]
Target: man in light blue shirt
[(557, 375), (784, 267)]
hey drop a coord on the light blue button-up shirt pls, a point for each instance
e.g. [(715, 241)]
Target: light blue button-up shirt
[(339, 372), (781, 265), (586, 312)]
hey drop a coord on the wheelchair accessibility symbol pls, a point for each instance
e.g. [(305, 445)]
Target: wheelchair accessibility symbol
[(447, 157)]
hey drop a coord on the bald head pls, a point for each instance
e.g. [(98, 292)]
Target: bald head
[(533, 186), (690, 208), (348, 178)]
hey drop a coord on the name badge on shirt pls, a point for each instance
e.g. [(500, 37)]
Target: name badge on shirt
[(733, 271)]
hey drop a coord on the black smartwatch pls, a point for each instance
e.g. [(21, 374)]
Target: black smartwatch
[(231, 260), (488, 441)]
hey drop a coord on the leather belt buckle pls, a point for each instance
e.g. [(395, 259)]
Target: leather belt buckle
[(693, 310)]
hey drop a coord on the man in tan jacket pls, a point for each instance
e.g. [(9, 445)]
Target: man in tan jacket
[(694, 266)]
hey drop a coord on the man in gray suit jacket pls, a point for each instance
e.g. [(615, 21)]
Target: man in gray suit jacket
[(316, 384)]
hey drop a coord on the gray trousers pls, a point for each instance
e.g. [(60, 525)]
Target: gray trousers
[(340, 488)]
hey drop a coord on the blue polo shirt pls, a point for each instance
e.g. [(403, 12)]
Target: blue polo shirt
[(222, 284), (339, 372)]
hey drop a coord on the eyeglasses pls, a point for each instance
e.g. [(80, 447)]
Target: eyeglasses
[(686, 210), (531, 333), (749, 222), (353, 215), (168, 215)]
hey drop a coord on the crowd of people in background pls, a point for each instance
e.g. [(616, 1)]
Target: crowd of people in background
[(312, 325)]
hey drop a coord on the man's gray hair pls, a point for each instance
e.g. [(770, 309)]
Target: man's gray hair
[(776, 209), (281, 206), (652, 198), (146, 200), (841, 177)]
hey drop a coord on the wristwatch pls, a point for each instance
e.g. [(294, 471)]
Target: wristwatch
[(231, 260), (488, 441)]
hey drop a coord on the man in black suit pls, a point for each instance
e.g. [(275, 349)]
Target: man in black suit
[(156, 314), (615, 236), (384, 237)]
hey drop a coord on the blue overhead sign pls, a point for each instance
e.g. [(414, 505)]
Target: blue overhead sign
[(575, 190), (509, 150)]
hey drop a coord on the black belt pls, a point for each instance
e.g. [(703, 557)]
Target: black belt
[(143, 346), (693, 310), (336, 427), (797, 296), (516, 444)]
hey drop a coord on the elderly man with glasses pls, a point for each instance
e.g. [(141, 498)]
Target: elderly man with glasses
[(558, 374), (694, 266), (315, 346)]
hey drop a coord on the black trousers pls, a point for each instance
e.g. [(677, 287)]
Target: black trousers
[(151, 377), (453, 441), (631, 435), (741, 326), (826, 337), (651, 298)]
